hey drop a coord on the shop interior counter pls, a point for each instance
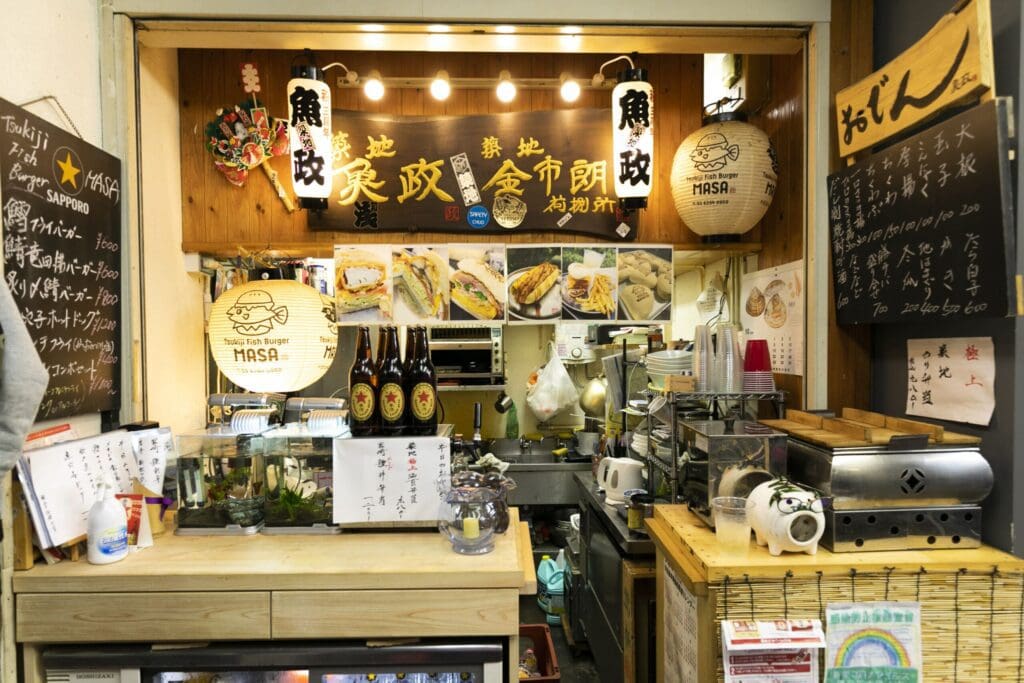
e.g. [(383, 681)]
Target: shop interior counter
[(966, 596), (353, 585)]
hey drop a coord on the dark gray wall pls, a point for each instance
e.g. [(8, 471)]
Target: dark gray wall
[(898, 24)]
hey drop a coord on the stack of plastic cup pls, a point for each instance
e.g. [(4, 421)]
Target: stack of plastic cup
[(728, 361), (702, 359), (757, 367)]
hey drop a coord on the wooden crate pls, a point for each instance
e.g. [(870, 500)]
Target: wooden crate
[(858, 428), (972, 600)]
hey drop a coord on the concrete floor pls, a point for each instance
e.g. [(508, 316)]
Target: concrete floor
[(577, 668)]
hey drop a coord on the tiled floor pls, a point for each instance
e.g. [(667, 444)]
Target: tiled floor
[(574, 669)]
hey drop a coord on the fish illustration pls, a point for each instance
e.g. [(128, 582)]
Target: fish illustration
[(254, 313), (713, 152)]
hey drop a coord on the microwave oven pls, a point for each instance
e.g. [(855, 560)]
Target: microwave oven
[(466, 356)]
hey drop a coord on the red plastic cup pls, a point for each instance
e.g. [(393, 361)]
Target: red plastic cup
[(757, 358)]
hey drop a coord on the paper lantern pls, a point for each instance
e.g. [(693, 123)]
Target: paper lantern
[(309, 118), (633, 138), (724, 176), (273, 335)]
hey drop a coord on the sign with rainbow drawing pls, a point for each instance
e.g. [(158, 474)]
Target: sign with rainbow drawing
[(876, 642)]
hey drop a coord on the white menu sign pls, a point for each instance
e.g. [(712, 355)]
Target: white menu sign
[(772, 308), (952, 379), (390, 479)]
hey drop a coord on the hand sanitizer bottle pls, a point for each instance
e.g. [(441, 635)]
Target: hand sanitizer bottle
[(108, 527)]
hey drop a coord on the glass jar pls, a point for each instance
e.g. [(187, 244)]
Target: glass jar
[(468, 518)]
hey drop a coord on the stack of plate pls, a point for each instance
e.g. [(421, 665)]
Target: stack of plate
[(639, 443), (663, 363), (758, 381)]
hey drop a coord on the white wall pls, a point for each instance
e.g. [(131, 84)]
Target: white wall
[(52, 48)]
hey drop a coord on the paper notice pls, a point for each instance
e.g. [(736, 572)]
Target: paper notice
[(779, 651), (951, 379), (874, 641), (772, 308)]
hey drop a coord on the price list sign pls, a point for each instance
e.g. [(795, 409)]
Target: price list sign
[(60, 199), (923, 230)]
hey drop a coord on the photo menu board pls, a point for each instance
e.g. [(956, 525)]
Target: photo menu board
[(62, 262), (463, 284), (923, 230)]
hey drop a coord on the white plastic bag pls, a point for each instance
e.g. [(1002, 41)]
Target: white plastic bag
[(554, 390)]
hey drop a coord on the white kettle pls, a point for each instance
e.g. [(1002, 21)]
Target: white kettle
[(618, 475)]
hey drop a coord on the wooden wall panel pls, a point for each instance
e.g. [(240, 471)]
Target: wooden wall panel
[(219, 217), (849, 347)]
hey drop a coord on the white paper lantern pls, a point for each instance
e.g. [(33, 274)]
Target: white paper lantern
[(273, 335), (309, 134), (633, 138), (724, 176)]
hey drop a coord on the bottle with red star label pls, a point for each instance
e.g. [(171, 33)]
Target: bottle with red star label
[(363, 381), (391, 396), (421, 387)]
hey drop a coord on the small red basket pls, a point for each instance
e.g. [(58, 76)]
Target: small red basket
[(543, 648)]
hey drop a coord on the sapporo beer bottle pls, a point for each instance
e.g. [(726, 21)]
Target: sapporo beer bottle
[(421, 388), (362, 382), (391, 395)]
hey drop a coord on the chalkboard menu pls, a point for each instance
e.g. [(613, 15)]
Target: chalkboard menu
[(923, 230), (62, 262)]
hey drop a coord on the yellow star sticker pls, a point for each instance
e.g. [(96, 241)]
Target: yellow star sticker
[(68, 171)]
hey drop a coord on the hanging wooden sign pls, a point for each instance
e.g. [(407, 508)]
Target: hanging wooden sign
[(549, 171), (950, 65)]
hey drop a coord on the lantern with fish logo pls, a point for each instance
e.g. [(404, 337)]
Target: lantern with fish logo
[(273, 335), (724, 177)]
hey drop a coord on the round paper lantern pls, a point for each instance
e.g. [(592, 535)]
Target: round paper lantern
[(273, 335), (724, 176)]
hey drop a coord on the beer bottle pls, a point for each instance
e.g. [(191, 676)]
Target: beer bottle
[(410, 347), (362, 382), (391, 396), (421, 389), (382, 345)]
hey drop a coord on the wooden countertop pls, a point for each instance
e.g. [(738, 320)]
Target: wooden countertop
[(692, 545), (348, 561)]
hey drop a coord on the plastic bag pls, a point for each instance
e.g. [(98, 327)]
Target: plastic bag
[(554, 390)]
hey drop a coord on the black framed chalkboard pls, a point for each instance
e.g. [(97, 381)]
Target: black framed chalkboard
[(61, 202), (923, 230)]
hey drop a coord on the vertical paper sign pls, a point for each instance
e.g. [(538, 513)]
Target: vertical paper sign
[(390, 479), (681, 628), (952, 379), (773, 309), (877, 641)]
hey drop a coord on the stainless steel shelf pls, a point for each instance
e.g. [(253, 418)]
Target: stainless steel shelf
[(472, 387)]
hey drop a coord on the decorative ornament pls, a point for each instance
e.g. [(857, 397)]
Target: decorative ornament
[(244, 138), (786, 517), (724, 176), (273, 335), (633, 138)]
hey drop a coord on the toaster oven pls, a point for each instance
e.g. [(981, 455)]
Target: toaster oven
[(467, 356)]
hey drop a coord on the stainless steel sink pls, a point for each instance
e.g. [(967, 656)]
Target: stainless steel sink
[(541, 478)]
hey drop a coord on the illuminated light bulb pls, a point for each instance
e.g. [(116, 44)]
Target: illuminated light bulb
[(373, 88), (506, 90), (441, 87), (570, 89)]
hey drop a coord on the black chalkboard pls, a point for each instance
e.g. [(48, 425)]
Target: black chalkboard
[(924, 229), (62, 257)]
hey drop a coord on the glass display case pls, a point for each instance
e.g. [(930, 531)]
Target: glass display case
[(221, 487), (298, 474)]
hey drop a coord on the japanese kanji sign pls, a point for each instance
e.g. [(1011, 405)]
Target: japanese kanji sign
[(951, 64), (952, 379), (548, 171)]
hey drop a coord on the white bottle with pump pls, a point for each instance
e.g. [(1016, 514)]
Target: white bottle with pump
[(108, 527)]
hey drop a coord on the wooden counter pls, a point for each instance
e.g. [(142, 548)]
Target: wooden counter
[(970, 598), (353, 585)]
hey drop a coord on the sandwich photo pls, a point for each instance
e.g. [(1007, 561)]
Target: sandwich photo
[(421, 284), (361, 282), (534, 283), (478, 289)]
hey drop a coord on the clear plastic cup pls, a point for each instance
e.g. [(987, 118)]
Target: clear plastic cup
[(732, 528)]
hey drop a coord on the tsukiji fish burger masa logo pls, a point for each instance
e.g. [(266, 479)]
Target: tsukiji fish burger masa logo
[(254, 313), (713, 152)]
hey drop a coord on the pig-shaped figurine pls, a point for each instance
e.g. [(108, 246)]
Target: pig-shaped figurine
[(785, 517)]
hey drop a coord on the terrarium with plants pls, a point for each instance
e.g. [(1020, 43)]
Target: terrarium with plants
[(220, 482)]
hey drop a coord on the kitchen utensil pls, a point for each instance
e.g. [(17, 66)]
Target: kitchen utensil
[(617, 475), (592, 398)]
